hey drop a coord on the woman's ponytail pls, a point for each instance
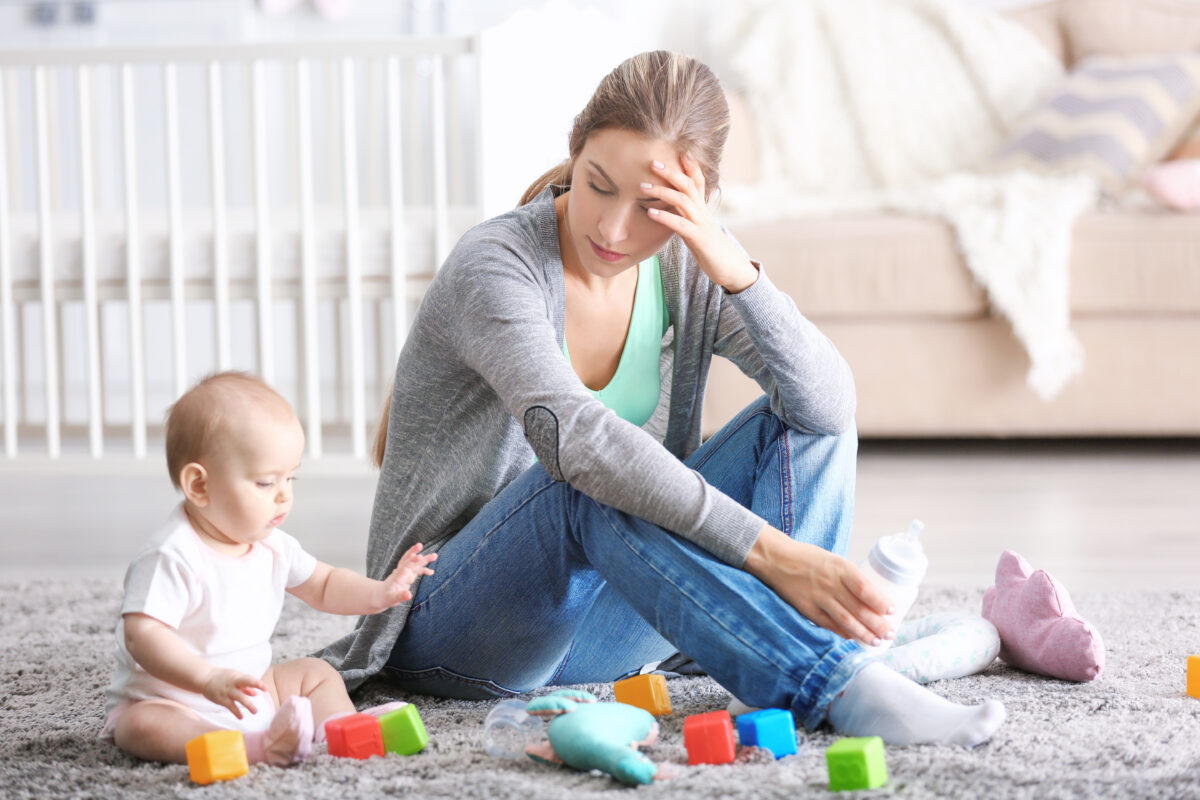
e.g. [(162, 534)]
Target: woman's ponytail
[(558, 175), (380, 445)]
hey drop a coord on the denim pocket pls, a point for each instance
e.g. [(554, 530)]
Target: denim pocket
[(441, 682)]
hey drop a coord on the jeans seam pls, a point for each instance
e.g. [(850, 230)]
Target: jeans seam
[(562, 665), (703, 608), (418, 674), (446, 581), (785, 484)]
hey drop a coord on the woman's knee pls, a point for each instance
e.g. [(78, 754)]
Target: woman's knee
[(837, 447)]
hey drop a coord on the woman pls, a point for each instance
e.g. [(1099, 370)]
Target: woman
[(582, 530)]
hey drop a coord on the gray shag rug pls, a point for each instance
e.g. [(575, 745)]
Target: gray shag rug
[(1133, 733)]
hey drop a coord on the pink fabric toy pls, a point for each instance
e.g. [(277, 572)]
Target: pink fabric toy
[(1175, 184), (1040, 630)]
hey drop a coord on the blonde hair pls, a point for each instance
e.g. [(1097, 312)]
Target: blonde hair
[(660, 95), (198, 418)]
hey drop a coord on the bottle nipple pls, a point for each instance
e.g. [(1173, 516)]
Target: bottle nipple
[(900, 557)]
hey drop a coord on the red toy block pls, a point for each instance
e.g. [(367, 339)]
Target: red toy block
[(354, 736), (709, 738)]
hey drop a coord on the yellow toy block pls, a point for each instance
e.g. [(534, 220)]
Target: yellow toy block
[(1193, 676), (217, 756), (645, 691)]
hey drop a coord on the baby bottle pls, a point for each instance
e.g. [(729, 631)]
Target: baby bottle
[(509, 728), (896, 564)]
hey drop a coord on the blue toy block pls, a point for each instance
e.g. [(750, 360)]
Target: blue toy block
[(770, 728)]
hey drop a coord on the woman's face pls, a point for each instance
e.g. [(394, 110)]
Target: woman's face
[(607, 224)]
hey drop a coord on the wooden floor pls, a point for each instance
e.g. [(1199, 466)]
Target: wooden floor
[(1098, 515)]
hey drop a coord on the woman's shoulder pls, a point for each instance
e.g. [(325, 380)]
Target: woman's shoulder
[(528, 233)]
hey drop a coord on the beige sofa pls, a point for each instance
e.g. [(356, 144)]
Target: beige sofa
[(930, 359)]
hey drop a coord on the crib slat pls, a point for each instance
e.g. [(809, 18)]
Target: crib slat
[(175, 216), (441, 216), (14, 113), (454, 132), (46, 238), (133, 266), (396, 195), (353, 261), (266, 339), (91, 308), (216, 144), (413, 111), (372, 128), (8, 328), (308, 267)]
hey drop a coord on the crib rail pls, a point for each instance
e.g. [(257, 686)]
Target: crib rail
[(353, 142)]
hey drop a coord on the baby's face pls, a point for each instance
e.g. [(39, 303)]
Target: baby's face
[(250, 477)]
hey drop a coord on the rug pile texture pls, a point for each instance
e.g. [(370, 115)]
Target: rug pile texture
[(1133, 733)]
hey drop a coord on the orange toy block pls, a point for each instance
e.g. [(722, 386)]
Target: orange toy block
[(354, 736), (1193, 676), (217, 756), (645, 691)]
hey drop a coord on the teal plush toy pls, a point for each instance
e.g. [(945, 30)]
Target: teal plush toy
[(588, 735)]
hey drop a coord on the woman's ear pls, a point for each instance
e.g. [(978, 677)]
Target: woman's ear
[(193, 480)]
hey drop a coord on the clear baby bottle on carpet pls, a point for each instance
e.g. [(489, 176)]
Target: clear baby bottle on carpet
[(508, 729), (897, 564)]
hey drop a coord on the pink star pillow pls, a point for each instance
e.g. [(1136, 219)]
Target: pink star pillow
[(1040, 630)]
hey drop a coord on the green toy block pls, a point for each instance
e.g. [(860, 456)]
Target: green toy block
[(403, 731), (856, 763)]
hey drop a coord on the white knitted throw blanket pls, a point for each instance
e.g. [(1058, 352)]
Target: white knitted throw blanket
[(897, 104)]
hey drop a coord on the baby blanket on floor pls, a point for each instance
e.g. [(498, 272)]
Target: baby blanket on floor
[(897, 104)]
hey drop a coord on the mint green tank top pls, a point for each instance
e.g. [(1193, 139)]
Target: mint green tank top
[(633, 392)]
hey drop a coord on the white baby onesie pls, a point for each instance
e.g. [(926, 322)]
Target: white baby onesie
[(225, 608)]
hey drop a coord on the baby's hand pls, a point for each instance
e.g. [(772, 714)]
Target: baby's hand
[(230, 688), (397, 587)]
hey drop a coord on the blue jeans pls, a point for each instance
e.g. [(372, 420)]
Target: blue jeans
[(545, 586)]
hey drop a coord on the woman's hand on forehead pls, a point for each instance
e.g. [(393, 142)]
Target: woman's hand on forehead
[(682, 186)]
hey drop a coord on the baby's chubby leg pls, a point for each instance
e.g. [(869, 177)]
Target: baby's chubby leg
[(159, 730), (311, 678), (317, 681)]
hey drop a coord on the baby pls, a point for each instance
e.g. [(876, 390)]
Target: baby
[(204, 593)]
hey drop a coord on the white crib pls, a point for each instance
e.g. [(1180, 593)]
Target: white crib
[(170, 211)]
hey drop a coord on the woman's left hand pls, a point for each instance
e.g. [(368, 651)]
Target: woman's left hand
[(684, 190)]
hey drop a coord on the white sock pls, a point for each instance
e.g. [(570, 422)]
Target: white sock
[(878, 701)]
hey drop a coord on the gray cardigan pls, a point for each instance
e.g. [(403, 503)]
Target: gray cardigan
[(482, 387)]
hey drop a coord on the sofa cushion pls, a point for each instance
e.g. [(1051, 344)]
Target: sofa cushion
[(869, 265), (1130, 27), (1135, 263), (876, 266), (1110, 117), (927, 376)]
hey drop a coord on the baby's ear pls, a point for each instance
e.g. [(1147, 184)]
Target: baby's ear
[(193, 480)]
